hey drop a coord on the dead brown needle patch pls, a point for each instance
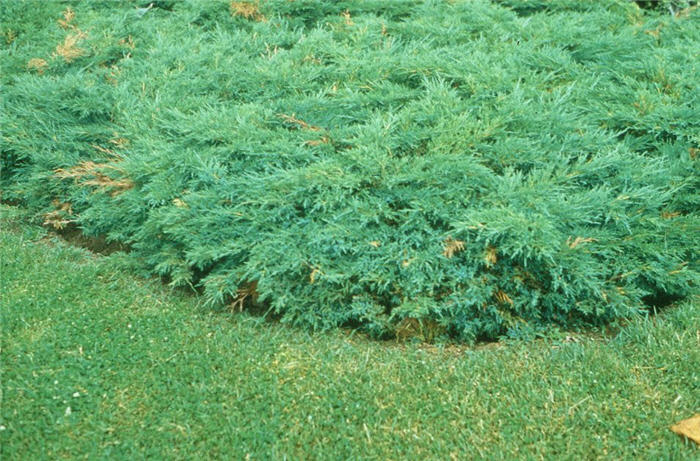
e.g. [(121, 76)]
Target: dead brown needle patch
[(503, 298), (119, 142), (578, 241), (89, 173), (38, 65), (347, 19), (68, 16), (451, 247), (249, 291), (684, 13), (314, 274), (317, 142), (491, 256), (180, 203), (69, 49), (57, 218), (291, 119), (246, 10), (669, 214)]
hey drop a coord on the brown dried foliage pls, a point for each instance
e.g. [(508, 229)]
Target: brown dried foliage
[(502, 297), (291, 119), (578, 241), (347, 19), (247, 10), (247, 293), (685, 12), (656, 33), (58, 218), (89, 173), (128, 42), (314, 274), (452, 246), (38, 65), (118, 142), (180, 203), (669, 214), (317, 142), (68, 16), (426, 330), (69, 49), (491, 256), (10, 36)]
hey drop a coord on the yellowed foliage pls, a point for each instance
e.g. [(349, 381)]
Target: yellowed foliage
[(249, 291), (89, 173), (311, 58), (317, 142), (689, 428), (346, 18), (180, 203), (104, 150), (119, 142), (426, 330), (68, 16), (375, 243), (247, 10), (314, 274), (69, 49), (10, 36), (669, 214), (37, 64), (452, 246), (300, 123), (685, 12), (578, 241), (680, 268), (491, 256), (503, 298), (656, 33), (57, 218), (128, 42)]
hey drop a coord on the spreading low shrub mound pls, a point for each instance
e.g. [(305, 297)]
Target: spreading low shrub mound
[(470, 168)]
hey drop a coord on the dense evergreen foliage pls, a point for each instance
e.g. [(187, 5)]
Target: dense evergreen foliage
[(465, 167)]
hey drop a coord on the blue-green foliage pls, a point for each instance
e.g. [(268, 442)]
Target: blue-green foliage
[(484, 166)]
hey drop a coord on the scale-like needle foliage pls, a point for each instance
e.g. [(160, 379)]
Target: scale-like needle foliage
[(472, 168)]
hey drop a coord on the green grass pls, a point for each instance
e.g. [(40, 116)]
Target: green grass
[(146, 374)]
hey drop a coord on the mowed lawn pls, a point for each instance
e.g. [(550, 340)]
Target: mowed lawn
[(97, 363)]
